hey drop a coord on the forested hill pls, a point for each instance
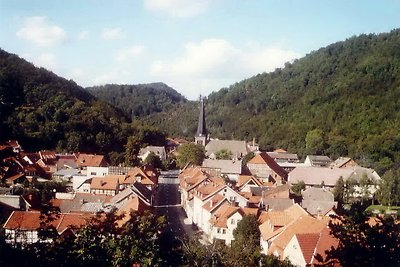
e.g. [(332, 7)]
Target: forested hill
[(45, 111), (345, 98), (138, 100)]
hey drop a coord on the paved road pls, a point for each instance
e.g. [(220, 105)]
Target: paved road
[(167, 202)]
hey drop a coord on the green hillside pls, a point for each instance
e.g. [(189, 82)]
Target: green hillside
[(45, 111), (138, 100), (345, 96)]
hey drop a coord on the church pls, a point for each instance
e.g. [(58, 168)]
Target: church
[(237, 149)]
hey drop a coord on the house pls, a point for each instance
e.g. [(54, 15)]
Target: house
[(318, 201), (266, 169), (317, 176), (48, 161), (80, 202), (189, 179), (81, 184), (300, 249), (238, 149), (22, 227), (317, 161), (327, 177), (225, 220), (276, 198), (144, 175), (247, 182), (220, 167), (66, 161), (107, 185), (274, 223), (310, 249), (283, 156), (89, 160), (119, 170), (302, 225), (157, 150), (344, 162)]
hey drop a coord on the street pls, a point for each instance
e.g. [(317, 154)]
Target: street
[(168, 203)]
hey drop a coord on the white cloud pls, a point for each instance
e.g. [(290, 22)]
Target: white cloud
[(129, 53), (215, 63), (82, 35), (112, 33), (41, 32), (178, 8)]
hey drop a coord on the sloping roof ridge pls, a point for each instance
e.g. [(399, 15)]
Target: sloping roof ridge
[(206, 176), (308, 255), (217, 205)]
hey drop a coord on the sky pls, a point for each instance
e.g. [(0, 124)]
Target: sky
[(194, 46)]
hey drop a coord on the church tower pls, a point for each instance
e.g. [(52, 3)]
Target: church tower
[(201, 137)]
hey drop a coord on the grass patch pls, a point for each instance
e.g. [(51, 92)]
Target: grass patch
[(382, 209)]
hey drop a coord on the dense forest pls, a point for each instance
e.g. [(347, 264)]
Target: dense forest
[(340, 100), (45, 111), (138, 100)]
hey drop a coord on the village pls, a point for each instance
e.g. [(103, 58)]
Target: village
[(291, 199)]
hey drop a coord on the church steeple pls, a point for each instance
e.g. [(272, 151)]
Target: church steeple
[(201, 134), (201, 126)]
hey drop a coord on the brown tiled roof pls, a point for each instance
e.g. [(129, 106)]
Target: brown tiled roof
[(207, 190), (303, 225), (214, 202), (222, 215), (90, 160), (244, 179), (325, 243), (308, 243), (264, 158), (28, 220), (105, 183), (274, 222)]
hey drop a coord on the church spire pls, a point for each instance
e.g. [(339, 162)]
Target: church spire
[(201, 137), (201, 126)]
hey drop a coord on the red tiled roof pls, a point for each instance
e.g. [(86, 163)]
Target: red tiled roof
[(109, 182), (244, 179), (90, 160), (264, 158), (29, 221), (325, 243), (308, 243)]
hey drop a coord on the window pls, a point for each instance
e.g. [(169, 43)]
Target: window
[(232, 221), (218, 230), (223, 231), (93, 173)]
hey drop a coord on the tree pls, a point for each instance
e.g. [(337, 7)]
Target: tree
[(154, 160), (297, 188), (104, 241), (365, 241), (315, 142), (339, 190), (389, 190), (350, 190), (132, 149), (223, 154), (247, 241), (190, 154)]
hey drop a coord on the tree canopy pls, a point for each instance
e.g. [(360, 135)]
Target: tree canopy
[(190, 154)]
